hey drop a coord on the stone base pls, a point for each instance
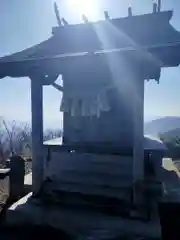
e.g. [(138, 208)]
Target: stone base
[(29, 211)]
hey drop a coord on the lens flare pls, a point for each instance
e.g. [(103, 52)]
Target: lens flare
[(86, 7)]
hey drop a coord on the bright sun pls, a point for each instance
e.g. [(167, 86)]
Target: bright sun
[(87, 7)]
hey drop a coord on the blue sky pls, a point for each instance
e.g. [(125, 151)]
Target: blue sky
[(24, 23)]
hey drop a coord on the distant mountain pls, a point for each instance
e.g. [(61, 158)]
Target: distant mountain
[(148, 118), (162, 125)]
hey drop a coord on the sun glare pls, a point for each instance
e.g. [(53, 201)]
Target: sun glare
[(86, 7)]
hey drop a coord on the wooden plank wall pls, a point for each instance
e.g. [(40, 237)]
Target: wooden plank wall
[(105, 175), (115, 126)]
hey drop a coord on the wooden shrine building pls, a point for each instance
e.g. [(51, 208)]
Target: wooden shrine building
[(103, 66)]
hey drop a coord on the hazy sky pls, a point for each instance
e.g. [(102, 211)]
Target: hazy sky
[(24, 23)]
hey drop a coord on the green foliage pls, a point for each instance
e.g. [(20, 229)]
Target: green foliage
[(173, 145)]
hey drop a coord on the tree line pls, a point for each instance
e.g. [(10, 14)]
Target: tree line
[(15, 138)]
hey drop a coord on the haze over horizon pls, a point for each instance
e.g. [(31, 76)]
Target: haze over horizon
[(26, 23)]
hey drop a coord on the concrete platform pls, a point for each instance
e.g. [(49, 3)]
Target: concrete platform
[(32, 211)]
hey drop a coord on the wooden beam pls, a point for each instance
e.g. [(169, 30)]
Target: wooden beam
[(95, 148), (138, 146), (138, 137), (37, 133)]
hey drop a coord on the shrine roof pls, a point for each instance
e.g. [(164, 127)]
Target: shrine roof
[(150, 33)]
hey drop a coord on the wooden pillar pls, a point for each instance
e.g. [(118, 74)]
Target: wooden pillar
[(37, 133), (138, 136)]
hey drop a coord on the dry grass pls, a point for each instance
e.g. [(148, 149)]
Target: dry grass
[(171, 179), (169, 165)]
